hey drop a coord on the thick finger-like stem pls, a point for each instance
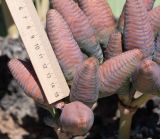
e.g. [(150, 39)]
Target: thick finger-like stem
[(137, 29), (101, 18), (85, 87), (146, 77), (114, 45), (148, 4), (154, 16), (116, 71), (156, 56), (65, 47), (76, 118), (79, 24), (23, 72)]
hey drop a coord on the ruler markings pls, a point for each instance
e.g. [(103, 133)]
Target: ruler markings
[(39, 49)]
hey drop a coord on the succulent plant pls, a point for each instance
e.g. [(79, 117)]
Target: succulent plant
[(114, 47), (78, 22), (131, 54), (155, 19), (137, 28), (85, 87), (76, 118), (67, 50), (146, 77), (113, 73), (25, 75), (100, 17), (148, 4)]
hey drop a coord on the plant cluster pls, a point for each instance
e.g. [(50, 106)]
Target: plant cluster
[(99, 56)]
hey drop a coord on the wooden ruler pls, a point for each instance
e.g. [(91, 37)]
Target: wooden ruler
[(39, 49)]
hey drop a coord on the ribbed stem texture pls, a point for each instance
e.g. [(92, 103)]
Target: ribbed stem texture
[(85, 87), (148, 4), (101, 18), (65, 47), (80, 26), (138, 32), (26, 77), (154, 16), (116, 71), (146, 77), (114, 45)]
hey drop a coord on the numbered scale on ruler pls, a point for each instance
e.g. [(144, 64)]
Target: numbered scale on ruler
[(39, 49)]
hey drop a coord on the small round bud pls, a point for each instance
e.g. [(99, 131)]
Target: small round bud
[(76, 118)]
